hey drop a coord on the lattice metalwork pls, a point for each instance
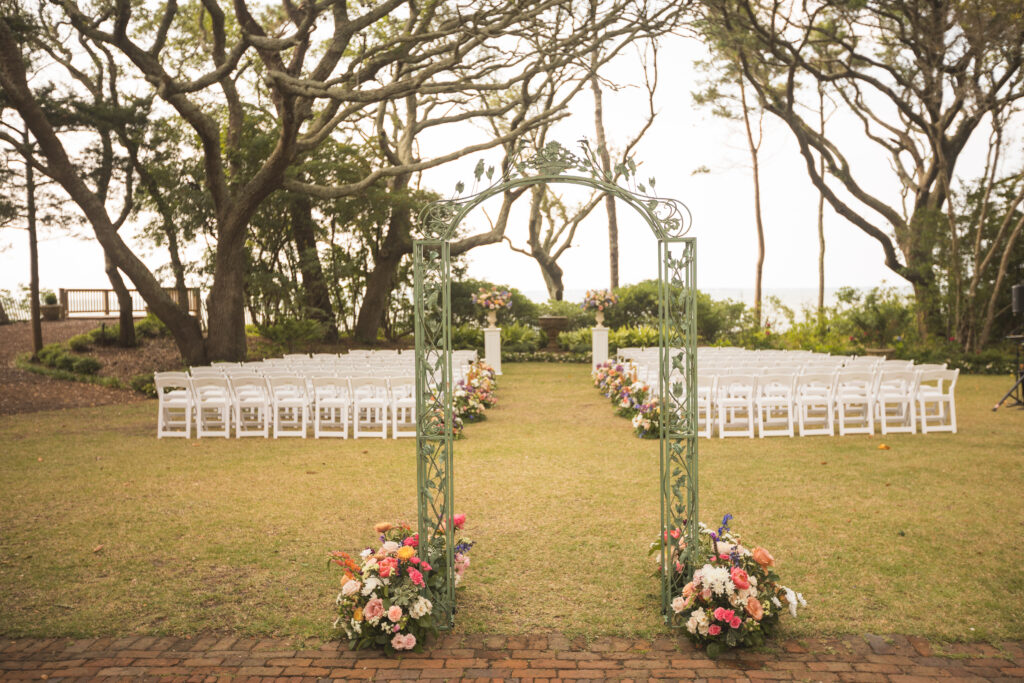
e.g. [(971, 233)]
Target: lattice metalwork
[(669, 220), (677, 295)]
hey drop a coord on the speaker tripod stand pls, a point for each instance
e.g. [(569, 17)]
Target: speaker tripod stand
[(1016, 392)]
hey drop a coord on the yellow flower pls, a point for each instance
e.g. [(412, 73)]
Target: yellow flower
[(405, 552), (357, 615)]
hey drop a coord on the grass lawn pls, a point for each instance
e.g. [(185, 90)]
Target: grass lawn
[(105, 530)]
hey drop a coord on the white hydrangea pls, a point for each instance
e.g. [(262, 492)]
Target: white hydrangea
[(371, 585)]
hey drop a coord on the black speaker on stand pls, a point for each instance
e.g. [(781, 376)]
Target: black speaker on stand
[(1017, 391)]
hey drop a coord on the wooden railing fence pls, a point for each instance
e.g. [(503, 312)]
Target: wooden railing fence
[(103, 302)]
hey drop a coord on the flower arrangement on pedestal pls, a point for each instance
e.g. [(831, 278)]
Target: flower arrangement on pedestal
[(599, 300), (491, 300), (385, 596), (735, 598)]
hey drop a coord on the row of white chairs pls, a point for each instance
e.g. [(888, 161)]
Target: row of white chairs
[(805, 404), (285, 405)]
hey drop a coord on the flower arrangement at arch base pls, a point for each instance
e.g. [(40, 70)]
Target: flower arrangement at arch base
[(735, 598), (385, 594)]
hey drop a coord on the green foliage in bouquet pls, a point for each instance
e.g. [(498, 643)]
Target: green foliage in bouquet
[(734, 599)]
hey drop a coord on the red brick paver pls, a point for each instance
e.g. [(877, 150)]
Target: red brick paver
[(895, 659)]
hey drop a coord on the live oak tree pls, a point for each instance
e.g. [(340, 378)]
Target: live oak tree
[(922, 77), (319, 65)]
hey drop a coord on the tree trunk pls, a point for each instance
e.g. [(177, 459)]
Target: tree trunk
[(609, 201), (126, 322), (226, 302), (759, 270), (1004, 262), (821, 218), (317, 298), (381, 281), (552, 273), (33, 249), (186, 331)]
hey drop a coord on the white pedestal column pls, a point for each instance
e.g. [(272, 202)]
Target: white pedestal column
[(492, 348), (598, 345)]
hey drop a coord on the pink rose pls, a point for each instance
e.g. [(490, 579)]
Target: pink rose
[(675, 533), (416, 577), (374, 609), (722, 614), (459, 521), (714, 630), (394, 613), (425, 566), (412, 541), (735, 622), (403, 642), (739, 578), (723, 556), (705, 594)]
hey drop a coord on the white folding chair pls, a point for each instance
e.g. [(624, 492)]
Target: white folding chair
[(370, 406), (212, 397), (735, 401), (814, 399), (251, 403), (403, 406), (855, 402), (288, 401), (206, 371), (174, 404), (775, 404), (935, 400), (706, 385), (897, 392), (332, 402)]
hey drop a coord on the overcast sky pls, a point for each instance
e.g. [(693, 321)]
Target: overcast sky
[(683, 138)]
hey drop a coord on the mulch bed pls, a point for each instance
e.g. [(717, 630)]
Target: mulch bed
[(26, 392)]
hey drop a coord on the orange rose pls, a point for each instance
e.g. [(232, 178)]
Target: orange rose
[(763, 557), (382, 527), (754, 608), (688, 590)]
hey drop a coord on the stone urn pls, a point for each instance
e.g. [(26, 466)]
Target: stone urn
[(492, 318), (599, 315), (552, 325), (51, 311)]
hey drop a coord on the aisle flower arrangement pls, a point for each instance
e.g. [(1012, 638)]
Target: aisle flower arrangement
[(734, 599), (632, 399), (598, 300), (385, 594), (647, 420), (470, 397), (492, 299)]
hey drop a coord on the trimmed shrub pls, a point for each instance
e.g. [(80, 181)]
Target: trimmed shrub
[(80, 342), (291, 333), (151, 327), (144, 384), (575, 341), (105, 335), (85, 365)]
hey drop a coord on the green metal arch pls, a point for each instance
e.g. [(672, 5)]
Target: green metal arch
[(669, 220)]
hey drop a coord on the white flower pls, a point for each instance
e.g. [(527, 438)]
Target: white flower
[(791, 599), (365, 553), (368, 565), (420, 608), (390, 547), (717, 579), (351, 587), (371, 585), (775, 601), (679, 604)]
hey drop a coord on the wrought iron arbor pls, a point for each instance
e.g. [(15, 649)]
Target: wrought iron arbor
[(670, 221)]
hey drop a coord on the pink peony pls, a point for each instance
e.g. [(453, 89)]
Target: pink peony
[(394, 613), (416, 577), (459, 521), (714, 630), (374, 610), (739, 578)]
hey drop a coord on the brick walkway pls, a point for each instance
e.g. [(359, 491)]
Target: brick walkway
[(851, 658)]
